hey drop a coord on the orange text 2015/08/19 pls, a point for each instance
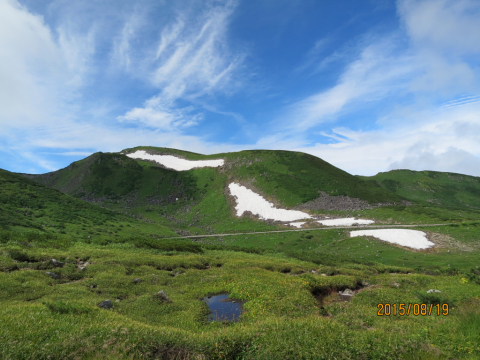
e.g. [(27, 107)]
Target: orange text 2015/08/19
[(412, 309)]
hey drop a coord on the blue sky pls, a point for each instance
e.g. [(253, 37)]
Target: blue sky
[(368, 86)]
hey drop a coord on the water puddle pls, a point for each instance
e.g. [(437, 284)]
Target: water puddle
[(223, 308)]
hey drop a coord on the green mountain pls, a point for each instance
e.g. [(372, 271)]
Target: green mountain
[(449, 190), (198, 200)]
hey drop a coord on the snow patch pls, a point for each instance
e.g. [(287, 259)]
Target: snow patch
[(345, 222), (247, 200), (411, 238), (175, 163), (297, 224)]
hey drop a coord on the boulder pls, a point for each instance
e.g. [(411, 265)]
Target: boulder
[(162, 296), (346, 295), (53, 275), (137, 280), (346, 292), (107, 304), (57, 263)]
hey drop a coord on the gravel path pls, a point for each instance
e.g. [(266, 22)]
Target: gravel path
[(311, 229)]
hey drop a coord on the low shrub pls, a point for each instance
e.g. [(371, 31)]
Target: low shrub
[(21, 256), (62, 307), (167, 245), (433, 298)]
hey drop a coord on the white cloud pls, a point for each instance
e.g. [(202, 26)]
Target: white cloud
[(195, 60), (121, 45), (189, 62), (161, 117), (375, 74), (444, 34), (450, 26), (28, 49), (431, 68), (41, 70), (447, 139), (452, 160), (45, 67)]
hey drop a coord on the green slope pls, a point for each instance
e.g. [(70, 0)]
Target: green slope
[(442, 189), (289, 178), (114, 176), (145, 189), (26, 204)]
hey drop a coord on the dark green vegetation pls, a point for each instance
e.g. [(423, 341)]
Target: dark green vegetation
[(25, 205), (116, 251)]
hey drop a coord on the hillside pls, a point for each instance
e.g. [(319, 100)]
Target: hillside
[(199, 201), (435, 188), (289, 178), (26, 204)]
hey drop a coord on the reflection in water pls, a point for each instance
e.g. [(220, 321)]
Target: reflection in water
[(223, 309)]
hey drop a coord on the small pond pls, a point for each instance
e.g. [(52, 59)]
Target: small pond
[(223, 308)]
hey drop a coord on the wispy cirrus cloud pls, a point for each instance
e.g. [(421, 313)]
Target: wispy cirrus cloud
[(189, 62), (377, 72)]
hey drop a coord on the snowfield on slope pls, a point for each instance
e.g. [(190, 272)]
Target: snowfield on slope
[(345, 222), (297, 224), (411, 238), (247, 200), (175, 163)]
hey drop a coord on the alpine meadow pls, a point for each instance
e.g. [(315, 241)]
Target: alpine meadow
[(114, 257)]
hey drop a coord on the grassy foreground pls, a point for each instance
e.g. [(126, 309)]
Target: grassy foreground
[(290, 312)]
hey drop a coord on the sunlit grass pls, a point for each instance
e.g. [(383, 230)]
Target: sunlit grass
[(283, 318)]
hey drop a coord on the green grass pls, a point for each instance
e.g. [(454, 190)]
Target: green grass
[(43, 317)]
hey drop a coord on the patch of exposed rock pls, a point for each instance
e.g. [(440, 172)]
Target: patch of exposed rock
[(339, 202), (443, 241)]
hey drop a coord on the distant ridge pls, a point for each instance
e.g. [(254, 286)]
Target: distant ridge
[(436, 188)]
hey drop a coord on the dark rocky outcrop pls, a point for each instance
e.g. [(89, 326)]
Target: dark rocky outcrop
[(342, 203), (107, 304)]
